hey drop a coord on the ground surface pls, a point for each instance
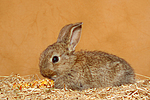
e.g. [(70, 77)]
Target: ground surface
[(30, 87)]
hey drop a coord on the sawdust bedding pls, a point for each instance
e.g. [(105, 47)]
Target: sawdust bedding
[(31, 87)]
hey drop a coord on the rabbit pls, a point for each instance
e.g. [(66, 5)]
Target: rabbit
[(82, 69)]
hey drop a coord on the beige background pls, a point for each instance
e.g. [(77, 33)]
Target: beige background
[(27, 27)]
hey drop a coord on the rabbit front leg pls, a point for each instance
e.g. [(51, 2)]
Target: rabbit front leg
[(68, 81), (75, 79)]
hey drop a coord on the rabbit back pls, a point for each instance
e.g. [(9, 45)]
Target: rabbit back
[(107, 69)]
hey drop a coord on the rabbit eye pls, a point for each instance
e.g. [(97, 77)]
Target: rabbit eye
[(55, 59)]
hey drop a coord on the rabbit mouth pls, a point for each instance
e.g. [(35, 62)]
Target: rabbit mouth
[(53, 77), (49, 74)]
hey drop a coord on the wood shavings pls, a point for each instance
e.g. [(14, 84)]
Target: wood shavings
[(30, 87)]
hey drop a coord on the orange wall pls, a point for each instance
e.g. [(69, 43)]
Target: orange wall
[(27, 27)]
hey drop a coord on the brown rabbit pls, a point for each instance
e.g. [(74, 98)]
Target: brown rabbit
[(83, 69)]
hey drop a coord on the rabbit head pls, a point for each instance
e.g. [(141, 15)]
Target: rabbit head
[(57, 58)]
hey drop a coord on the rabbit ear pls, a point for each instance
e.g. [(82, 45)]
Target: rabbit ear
[(75, 36), (64, 33), (70, 35)]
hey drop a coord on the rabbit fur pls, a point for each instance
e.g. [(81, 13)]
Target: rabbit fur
[(82, 69)]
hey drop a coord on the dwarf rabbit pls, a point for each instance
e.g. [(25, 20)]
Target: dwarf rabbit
[(83, 69)]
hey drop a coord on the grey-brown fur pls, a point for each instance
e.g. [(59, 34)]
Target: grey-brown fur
[(83, 69)]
